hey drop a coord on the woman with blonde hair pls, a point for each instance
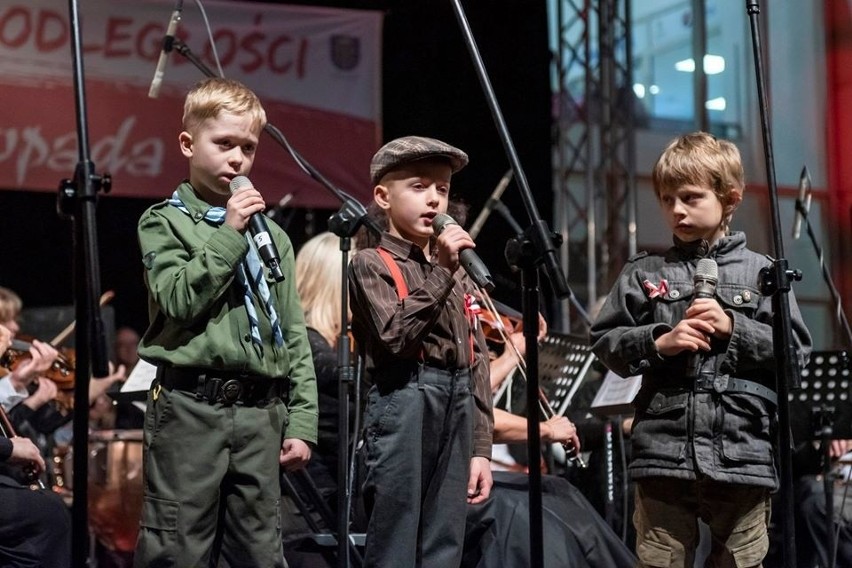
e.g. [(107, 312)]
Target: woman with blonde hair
[(318, 281)]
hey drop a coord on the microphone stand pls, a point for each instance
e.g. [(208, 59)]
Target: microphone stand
[(503, 210), (776, 281), (826, 430), (77, 200), (534, 248), (826, 274), (344, 223)]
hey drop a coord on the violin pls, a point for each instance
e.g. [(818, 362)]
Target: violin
[(496, 325), (61, 371)]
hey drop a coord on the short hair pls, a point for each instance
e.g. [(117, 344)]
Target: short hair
[(215, 95), (700, 159), (10, 305), (318, 274)]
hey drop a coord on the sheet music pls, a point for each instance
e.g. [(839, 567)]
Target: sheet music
[(140, 378), (616, 394)]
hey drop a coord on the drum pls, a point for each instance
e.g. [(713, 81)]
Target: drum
[(115, 487)]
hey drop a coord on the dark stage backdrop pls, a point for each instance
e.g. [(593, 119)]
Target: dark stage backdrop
[(429, 88)]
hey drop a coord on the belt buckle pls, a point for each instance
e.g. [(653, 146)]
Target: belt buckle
[(230, 391), (720, 383)]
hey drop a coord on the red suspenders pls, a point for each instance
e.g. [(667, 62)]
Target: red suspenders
[(402, 292)]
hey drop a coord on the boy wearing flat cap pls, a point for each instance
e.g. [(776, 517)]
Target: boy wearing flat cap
[(428, 422)]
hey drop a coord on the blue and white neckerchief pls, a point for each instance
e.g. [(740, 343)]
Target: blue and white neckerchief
[(251, 265)]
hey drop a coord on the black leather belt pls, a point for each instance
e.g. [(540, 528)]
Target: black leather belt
[(723, 383), (226, 387)]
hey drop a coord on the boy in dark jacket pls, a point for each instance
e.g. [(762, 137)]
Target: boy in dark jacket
[(705, 422)]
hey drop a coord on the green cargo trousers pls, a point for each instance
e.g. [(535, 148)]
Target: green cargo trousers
[(667, 513), (211, 483)]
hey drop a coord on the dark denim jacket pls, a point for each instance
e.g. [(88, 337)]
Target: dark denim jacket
[(680, 430)]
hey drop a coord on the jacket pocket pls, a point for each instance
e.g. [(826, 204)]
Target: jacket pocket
[(661, 427), (746, 430)]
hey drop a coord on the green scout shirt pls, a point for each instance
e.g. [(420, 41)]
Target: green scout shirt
[(197, 312)]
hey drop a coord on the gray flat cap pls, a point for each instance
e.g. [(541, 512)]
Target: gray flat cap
[(411, 148)]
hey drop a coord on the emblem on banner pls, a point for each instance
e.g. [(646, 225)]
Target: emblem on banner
[(345, 51)]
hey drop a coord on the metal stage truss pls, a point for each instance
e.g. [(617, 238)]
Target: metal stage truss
[(593, 145)]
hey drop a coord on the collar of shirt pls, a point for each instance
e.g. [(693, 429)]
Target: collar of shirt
[(402, 248), (196, 206)]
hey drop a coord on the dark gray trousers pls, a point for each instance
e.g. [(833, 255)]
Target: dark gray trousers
[(417, 452)]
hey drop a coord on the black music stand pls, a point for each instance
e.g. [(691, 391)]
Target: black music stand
[(821, 409), (564, 362)]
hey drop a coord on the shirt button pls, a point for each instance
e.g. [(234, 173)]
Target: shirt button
[(198, 215), (674, 294), (738, 299), (247, 338)]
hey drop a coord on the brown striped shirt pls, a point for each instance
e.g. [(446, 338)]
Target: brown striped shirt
[(431, 321)]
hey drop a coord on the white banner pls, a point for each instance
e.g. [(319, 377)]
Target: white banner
[(317, 71)]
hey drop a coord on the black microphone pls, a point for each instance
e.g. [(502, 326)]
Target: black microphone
[(168, 41), (705, 279), (803, 202), (468, 259), (490, 205), (260, 233)]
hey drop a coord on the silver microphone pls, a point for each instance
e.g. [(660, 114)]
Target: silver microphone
[(802, 202), (259, 230), (160, 72), (469, 260)]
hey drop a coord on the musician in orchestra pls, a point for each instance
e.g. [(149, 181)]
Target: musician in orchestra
[(26, 391), (35, 527), (15, 385), (510, 428), (703, 439)]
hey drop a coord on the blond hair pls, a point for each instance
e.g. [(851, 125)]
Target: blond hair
[(318, 274), (10, 305), (215, 95), (700, 159)]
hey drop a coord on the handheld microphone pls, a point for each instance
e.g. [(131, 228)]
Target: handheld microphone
[(260, 234), (705, 279), (490, 205), (168, 41), (803, 202), (468, 259)]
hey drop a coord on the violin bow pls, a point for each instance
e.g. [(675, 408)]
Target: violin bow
[(106, 297), (543, 403)]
